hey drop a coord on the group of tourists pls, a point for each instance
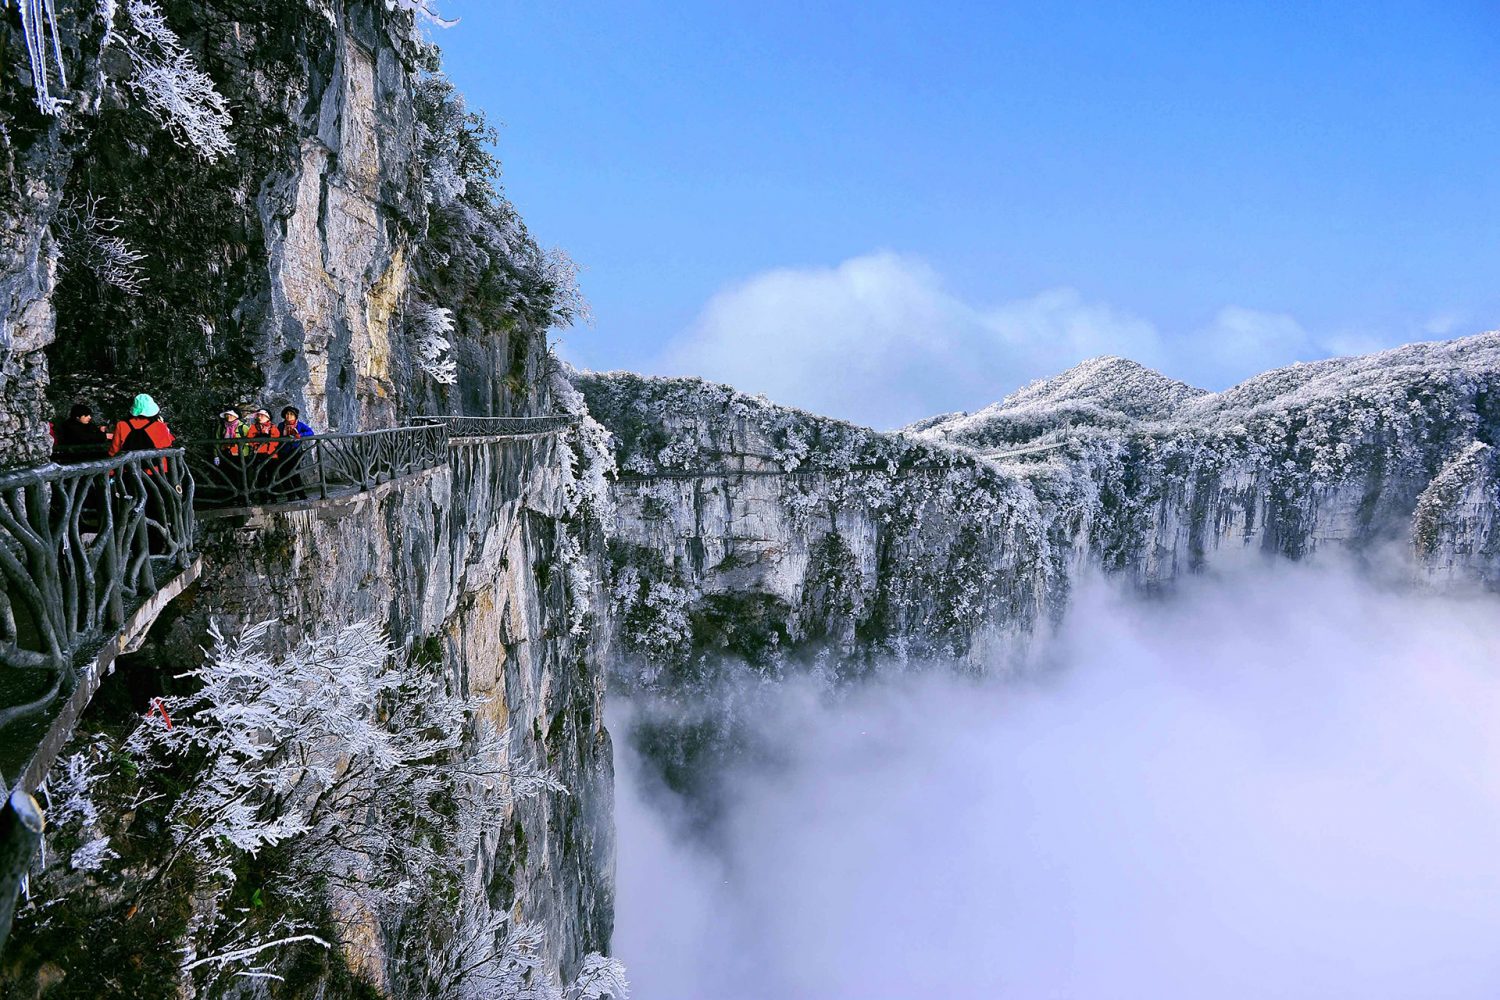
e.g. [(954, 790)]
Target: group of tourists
[(80, 438), (272, 451), (269, 453)]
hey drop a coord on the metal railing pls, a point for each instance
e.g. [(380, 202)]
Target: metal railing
[(466, 427), (262, 471), (80, 546)]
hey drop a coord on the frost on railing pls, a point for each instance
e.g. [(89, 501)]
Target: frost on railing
[(79, 546), (44, 49)]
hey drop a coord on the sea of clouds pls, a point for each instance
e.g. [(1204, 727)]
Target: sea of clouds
[(1279, 783)]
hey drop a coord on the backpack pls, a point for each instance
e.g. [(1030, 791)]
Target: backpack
[(139, 439)]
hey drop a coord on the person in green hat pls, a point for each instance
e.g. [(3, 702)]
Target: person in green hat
[(145, 430)]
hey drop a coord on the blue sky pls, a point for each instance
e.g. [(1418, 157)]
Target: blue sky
[(884, 209)]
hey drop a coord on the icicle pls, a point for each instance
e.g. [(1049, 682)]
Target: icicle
[(37, 17), (51, 14)]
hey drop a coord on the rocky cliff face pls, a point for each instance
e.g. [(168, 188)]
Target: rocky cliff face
[(352, 255), (765, 532), (479, 568)]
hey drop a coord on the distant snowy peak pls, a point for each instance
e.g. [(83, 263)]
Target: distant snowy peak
[(1395, 372), (1113, 383), (1116, 394), (1106, 391)]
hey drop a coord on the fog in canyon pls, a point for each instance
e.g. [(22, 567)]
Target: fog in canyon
[(1278, 781)]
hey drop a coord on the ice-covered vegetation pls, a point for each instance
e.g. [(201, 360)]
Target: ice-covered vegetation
[(432, 326), (424, 10), (89, 238), (479, 271), (282, 804), (179, 95), (164, 75), (477, 247)]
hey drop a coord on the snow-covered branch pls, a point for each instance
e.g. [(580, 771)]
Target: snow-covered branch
[(431, 328), (88, 237), (423, 9), (179, 95)]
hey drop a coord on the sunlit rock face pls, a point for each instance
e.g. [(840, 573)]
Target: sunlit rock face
[(481, 570), (293, 271), (966, 530)]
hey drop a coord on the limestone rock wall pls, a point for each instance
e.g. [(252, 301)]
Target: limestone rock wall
[(469, 563)]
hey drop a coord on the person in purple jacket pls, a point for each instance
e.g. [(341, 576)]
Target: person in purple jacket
[(289, 454)]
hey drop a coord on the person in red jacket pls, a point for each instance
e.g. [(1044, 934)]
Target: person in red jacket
[(144, 430)]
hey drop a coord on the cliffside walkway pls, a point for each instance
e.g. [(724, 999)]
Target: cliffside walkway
[(240, 476), (91, 553)]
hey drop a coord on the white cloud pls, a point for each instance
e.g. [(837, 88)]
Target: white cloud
[(875, 339), (878, 339), (1242, 342), (1279, 783)]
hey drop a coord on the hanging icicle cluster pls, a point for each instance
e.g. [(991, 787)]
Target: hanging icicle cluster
[(39, 24)]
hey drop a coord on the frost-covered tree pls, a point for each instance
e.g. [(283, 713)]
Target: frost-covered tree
[(490, 957), (179, 95), (346, 776), (89, 238), (432, 327), (477, 249), (339, 746)]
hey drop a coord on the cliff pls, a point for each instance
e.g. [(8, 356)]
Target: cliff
[(767, 532), (310, 215)]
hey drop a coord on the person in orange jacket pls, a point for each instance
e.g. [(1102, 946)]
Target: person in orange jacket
[(144, 430), (262, 454), (261, 427)]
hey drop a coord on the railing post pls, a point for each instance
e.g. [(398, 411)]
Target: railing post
[(322, 473), (21, 826)]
